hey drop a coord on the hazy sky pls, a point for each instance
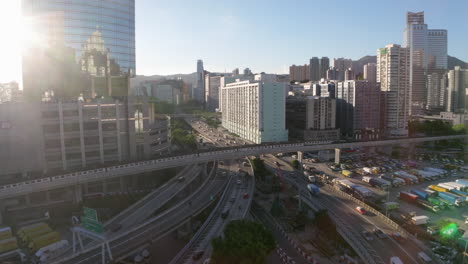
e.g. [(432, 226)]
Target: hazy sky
[(264, 35)]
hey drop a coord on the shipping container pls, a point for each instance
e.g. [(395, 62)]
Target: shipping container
[(409, 197), (454, 199), (438, 188), (30, 228), (8, 244), (25, 239), (421, 194), (42, 241)]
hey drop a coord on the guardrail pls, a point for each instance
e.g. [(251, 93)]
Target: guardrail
[(187, 250), (388, 221), (76, 178)]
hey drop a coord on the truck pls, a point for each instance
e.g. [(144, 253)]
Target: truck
[(460, 193), (347, 173), (25, 239), (362, 191), (428, 174), (366, 179), (42, 241), (395, 260), (406, 176), (456, 185), (52, 251), (429, 206), (367, 170), (409, 197), (395, 181), (452, 198), (5, 232), (445, 186), (447, 203), (436, 201), (421, 194), (311, 178), (463, 182), (381, 183), (30, 228), (438, 188), (313, 189), (360, 171), (420, 220), (8, 244), (442, 172)]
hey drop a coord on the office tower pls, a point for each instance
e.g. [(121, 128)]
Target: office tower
[(311, 118), (332, 74), (200, 88), (457, 90), (393, 74), (428, 50), (235, 72), (349, 75), (255, 110), (341, 65), (247, 72), (358, 109), (314, 69), (324, 66), (435, 91), (299, 73), (84, 48), (370, 72), (212, 84)]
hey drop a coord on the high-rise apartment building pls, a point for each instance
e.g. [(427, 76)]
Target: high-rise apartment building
[(212, 84), (341, 65), (393, 74), (255, 110), (86, 48), (428, 50), (324, 66), (199, 91), (457, 90), (370, 71), (435, 91), (314, 69), (235, 72), (349, 74), (311, 118), (332, 74), (299, 73), (358, 109)]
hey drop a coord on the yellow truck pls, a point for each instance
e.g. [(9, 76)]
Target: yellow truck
[(5, 232), (30, 228), (347, 173), (42, 241), (8, 244), (27, 237), (438, 188)]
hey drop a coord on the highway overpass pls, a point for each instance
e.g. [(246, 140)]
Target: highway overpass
[(79, 178)]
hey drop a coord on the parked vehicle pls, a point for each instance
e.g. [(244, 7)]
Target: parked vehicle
[(5, 232), (454, 199), (347, 173), (438, 188), (313, 189), (30, 228), (395, 260), (8, 244), (460, 193), (421, 194), (409, 197), (361, 210), (420, 220), (379, 233), (429, 206), (380, 183), (457, 186), (42, 241), (25, 239)]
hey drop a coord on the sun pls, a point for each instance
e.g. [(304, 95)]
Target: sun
[(16, 34)]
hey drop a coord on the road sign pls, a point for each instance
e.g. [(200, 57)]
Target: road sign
[(91, 225), (90, 213)]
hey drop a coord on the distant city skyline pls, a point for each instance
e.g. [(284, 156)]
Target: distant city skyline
[(172, 36)]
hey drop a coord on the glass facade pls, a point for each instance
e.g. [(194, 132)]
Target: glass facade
[(98, 36)]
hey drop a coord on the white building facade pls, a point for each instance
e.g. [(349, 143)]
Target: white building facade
[(255, 110), (393, 74)]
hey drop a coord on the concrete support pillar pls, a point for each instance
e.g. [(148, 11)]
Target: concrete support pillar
[(337, 155), (300, 156), (78, 194)]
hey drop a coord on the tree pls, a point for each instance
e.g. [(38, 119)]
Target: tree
[(245, 242), (295, 164)]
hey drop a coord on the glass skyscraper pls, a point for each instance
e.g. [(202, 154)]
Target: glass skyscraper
[(83, 48)]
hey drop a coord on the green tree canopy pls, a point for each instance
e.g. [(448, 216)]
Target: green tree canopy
[(295, 164), (245, 242)]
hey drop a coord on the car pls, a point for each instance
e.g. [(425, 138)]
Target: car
[(181, 178), (379, 233), (225, 214), (367, 235), (277, 164), (233, 199), (397, 236), (198, 255), (360, 210), (238, 182), (245, 196)]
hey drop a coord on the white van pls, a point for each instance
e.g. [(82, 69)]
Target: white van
[(423, 256), (395, 260)]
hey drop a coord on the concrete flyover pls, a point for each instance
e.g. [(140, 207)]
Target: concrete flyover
[(79, 178)]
